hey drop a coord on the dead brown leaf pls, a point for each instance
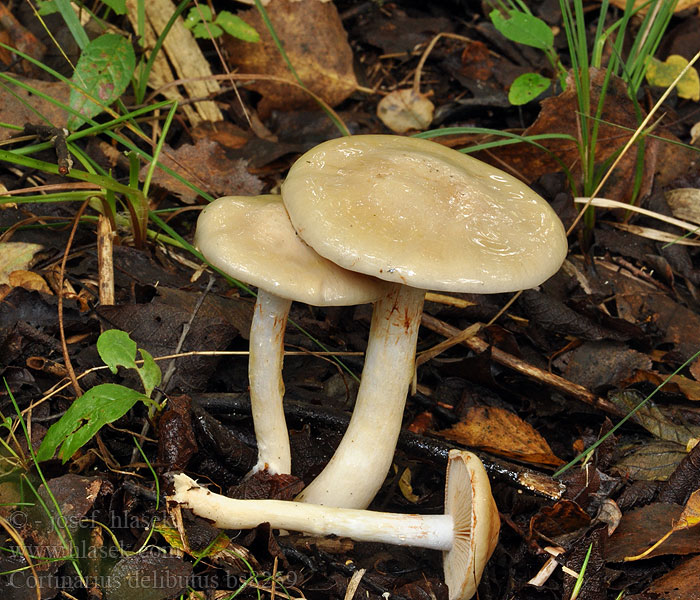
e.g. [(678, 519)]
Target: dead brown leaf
[(18, 106), (641, 528), (682, 583), (564, 517), (316, 44), (205, 164), (503, 433), (559, 115)]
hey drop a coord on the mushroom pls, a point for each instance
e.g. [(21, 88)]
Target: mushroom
[(252, 239), (424, 216), (467, 533)]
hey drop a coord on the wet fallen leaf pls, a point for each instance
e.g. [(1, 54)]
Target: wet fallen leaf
[(690, 517), (562, 518), (654, 460), (503, 433), (681, 583), (315, 42), (637, 302), (555, 116), (652, 418), (642, 527), (147, 576), (597, 364), (405, 110)]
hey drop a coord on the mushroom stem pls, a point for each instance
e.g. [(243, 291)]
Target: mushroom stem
[(359, 466), (266, 385), (425, 531)]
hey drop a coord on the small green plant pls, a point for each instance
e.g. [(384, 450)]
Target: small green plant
[(515, 22), (202, 24), (522, 27), (103, 403)]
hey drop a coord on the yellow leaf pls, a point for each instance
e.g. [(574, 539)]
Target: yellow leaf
[(662, 74)]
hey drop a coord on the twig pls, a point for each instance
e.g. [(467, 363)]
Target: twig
[(563, 385), (61, 275)]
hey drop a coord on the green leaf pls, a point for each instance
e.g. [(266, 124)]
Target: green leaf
[(237, 27), (98, 406), (118, 6), (103, 71), (149, 372), (47, 7), (197, 14), (116, 349), (523, 29), (527, 87), (205, 31)]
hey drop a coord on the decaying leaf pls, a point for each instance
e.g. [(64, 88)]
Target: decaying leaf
[(406, 110), (206, 165), (681, 583), (502, 432), (690, 517), (558, 116), (654, 460), (653, 419), (563, 517), (641, 528), (19, 106), (662, 74), (29, 281), (16, 256), (685, 203), (315, 42)]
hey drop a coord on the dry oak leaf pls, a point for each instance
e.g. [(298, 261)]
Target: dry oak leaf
[(503, 433), (315, 42)]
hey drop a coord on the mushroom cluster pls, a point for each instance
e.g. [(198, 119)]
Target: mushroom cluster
[(423, 216), (466, 534), (374, 218)]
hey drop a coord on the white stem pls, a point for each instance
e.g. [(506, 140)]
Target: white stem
[(423, 531), (266, 385), (360, 464)]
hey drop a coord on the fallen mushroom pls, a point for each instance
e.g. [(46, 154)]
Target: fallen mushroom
[(467, 533), (423, 216), (252, 239)]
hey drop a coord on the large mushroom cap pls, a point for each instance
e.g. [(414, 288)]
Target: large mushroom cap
[(476, 523), (252, 239), (412, 211)]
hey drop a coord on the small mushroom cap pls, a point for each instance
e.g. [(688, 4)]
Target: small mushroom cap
[(251, 238), (476, 523), (412, 211)]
